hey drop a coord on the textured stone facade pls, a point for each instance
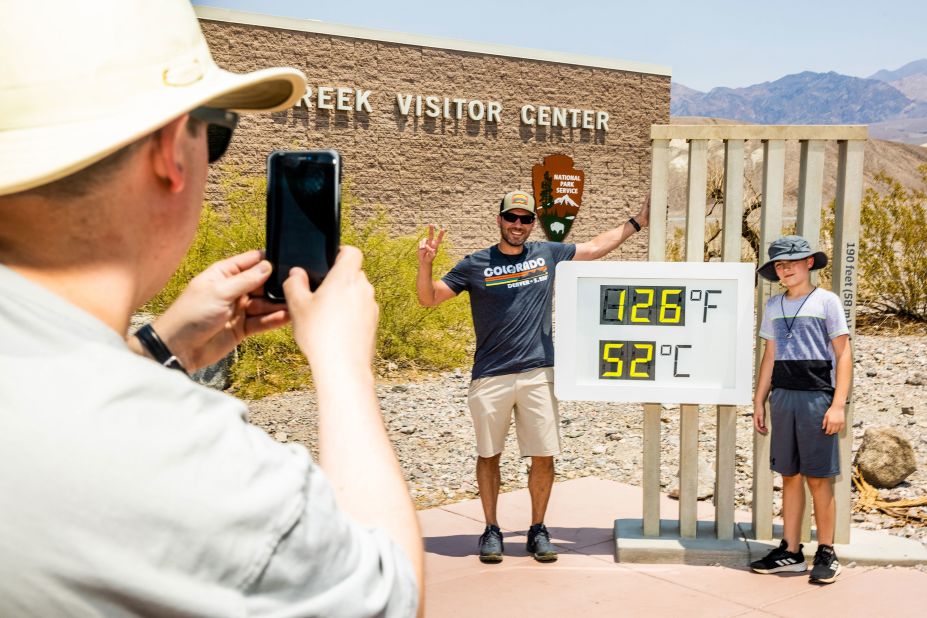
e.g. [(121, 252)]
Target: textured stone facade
[(450, 171)]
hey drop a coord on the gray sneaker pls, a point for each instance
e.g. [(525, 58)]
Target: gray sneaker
[(491, 547), (539, 544)]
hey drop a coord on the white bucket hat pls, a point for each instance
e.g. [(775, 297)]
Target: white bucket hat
[(79, 80)]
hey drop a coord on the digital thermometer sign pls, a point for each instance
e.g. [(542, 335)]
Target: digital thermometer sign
[(656, 332)]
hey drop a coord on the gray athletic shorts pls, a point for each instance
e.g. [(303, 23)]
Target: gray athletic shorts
[(798, 444)]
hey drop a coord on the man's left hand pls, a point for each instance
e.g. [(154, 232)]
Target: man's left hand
[(218, 309)]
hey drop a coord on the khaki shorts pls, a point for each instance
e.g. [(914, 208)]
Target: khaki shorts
[(530, 395)]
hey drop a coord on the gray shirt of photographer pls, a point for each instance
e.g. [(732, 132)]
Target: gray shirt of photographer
[(126, 489)]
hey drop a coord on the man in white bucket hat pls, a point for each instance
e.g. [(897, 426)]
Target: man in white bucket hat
[(126, 488)]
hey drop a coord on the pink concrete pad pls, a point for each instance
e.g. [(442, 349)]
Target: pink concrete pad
[(574, 586), (738, 585), (581, 512), (873, 592), (450, 543), (601, 551), (451, 546), (586, 582)]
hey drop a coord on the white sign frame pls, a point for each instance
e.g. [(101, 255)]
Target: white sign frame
[(570, 385)]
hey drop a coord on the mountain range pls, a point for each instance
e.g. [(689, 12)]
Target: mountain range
[(892, 102)]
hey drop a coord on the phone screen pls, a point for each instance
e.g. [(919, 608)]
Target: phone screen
[(303, 215)]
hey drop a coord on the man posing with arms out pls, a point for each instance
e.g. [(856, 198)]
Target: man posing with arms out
[(125, 488), (511, 286)]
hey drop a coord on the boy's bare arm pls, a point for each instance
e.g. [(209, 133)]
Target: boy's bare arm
[(763, 386), (835, 418)]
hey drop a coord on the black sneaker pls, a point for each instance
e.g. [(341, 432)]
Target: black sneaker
[(539, 544), (491, 545), (826, 566), (781, 560)]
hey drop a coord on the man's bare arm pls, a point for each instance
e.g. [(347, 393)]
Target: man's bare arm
[(431, 293)]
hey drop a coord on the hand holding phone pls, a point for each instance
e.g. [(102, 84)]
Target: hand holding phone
[(303, 215), (335, 326)]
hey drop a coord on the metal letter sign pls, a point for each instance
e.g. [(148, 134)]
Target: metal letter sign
[(558, 192), (655, 332)]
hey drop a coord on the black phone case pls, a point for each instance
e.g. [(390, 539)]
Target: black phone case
[(280, 163)]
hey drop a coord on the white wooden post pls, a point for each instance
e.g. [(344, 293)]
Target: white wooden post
[(845, 278), (650, 480), (810, 190), (726, 416), (688, 414), (696, 200), (688, 470), (770, 229)]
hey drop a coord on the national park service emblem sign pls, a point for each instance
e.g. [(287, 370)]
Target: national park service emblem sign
[(558, 192)]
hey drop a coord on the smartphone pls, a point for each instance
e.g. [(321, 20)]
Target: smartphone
[(303, 215)]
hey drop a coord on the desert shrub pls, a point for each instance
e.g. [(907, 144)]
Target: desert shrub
[(892, 247), (409, 335)]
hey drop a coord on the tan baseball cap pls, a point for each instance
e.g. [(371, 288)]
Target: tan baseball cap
[(80, 80), (517, 199)]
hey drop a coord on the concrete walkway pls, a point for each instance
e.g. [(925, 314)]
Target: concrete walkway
[(587, 582)]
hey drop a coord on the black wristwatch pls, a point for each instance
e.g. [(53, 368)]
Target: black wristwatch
[(154, 346), (635, 224)]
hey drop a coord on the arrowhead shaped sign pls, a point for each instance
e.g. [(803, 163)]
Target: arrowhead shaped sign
[(558, 193)]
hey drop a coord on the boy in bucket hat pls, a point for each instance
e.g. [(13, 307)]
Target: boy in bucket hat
[(807, 364), (126, 488)]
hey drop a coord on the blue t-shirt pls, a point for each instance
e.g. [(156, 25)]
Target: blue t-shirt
[(510, 299), (805, 361)]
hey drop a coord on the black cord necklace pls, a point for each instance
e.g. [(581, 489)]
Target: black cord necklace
[(788, 326)]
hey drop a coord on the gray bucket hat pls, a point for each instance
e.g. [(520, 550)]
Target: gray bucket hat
[(790, 248)]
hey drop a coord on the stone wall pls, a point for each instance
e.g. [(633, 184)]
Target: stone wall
[(448, 171)]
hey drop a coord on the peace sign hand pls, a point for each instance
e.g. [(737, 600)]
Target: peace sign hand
[(428, 247)]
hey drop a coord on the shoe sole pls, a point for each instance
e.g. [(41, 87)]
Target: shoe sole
[(829, 580), (789, 568), (545, 557), (491, 558)]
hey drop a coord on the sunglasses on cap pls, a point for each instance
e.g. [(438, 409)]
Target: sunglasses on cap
[(511, 217), (220, 124)]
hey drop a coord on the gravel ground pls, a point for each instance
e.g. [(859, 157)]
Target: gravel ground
[(430, 427)]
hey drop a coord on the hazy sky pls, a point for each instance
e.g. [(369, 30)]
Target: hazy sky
[(706, 43)]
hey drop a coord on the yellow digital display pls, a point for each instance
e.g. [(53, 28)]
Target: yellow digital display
[(626, 360), (676, 332), (642, 305)]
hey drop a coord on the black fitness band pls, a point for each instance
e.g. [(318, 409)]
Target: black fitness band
[(635, 224), (154, 346)]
